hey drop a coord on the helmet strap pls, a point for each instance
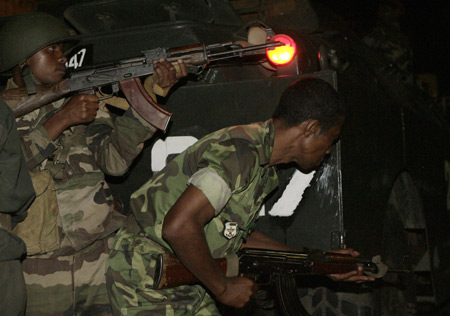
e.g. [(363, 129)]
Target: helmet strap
[(28, 79)]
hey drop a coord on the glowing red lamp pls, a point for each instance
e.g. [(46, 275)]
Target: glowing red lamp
[(282, 55)]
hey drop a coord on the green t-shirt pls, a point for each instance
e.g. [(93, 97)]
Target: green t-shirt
[(231, 167)]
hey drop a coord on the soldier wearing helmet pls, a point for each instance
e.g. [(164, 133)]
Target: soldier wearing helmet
[(76, 140), (25, 35)]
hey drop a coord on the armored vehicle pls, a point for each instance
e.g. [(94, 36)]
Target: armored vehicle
[(385, 188)]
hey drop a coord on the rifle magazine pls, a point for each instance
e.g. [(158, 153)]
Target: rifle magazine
[(286, 289)]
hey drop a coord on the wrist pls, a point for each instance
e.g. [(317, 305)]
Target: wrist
[(56, 124), (62, 119), (218, 288)]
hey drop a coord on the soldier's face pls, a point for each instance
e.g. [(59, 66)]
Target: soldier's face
[(312, 150), (48, 64)]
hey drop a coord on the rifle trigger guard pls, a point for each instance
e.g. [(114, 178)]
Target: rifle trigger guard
[(115, 88), (196, 70)]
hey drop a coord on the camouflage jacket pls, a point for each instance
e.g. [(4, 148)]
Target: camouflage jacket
[(231, 167), (77, 160), (16, 189)]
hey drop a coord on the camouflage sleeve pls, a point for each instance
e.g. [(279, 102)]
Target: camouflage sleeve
[(116, 141), (213, 187), (226, 167), (16, 189), (37, 144)]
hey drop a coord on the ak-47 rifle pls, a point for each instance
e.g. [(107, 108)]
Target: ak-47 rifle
[(125, 75), (279, 267)]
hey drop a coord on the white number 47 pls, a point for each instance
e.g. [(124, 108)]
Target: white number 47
[(77, 60)]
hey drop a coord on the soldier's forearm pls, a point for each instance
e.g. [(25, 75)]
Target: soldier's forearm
[(261, 241), (55, 125), (184, 230)]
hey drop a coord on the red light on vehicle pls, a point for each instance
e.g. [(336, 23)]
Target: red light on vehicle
[(282, 55)]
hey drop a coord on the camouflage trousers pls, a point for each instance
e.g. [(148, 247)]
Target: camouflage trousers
[(68, 285), (129, 272)]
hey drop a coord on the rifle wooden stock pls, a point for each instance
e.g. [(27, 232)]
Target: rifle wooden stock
[(254, 263), (171, 272), (21, 103)]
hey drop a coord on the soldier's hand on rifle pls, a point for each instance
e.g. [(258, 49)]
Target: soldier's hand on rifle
[(169, 74), (238, 291), (353, 276), (81, 108)]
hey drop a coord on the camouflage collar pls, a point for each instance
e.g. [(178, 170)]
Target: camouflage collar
[(266, 147)]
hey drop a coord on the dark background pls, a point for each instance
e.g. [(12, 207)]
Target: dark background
[(426, 22)]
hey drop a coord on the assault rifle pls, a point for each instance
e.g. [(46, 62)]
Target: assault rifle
[(125, 75), (272, 266), (257, 263)]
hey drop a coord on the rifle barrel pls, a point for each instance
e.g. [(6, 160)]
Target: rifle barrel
[(239, 52)]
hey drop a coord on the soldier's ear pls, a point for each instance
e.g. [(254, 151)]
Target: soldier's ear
[(311, 128), (22, 65)]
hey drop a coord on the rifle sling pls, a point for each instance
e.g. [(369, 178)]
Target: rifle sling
[(28, 79), (232, 265)]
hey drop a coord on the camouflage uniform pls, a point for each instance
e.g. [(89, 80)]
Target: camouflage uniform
[(388, 39), (71, 278), (231, 168), (16, 194)]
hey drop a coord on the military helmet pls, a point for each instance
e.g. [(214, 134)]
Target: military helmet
[(26, 34)]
